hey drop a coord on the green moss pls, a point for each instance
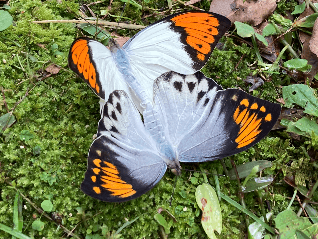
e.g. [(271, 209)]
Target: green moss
[(60, 116), (285, 6)]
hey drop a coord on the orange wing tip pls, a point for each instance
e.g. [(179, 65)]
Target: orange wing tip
[(248, 121), (82, 61), (112, 182), (199, 17), (200, 29)]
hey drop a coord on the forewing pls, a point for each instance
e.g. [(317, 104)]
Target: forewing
[(123, 162), (236, 121), (93, 62), (182, 43)]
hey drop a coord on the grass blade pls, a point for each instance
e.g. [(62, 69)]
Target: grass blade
[(13, 232), (247, 212)]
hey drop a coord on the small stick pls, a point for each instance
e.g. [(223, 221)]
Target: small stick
[(4, 100), (105, 23)]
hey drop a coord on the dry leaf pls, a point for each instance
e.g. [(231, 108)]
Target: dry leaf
[(269, 52), (286, 113), (252, 12), (122, 40), (311, 58), (313, 43), (191, 2), (53, 69), (222, 7), (119, 39), (281, 100), (255, 81), (308, 11)]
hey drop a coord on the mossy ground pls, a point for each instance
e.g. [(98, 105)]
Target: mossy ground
[(44, 153)]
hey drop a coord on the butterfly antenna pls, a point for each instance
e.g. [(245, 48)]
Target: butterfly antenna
[(122, 13), (174, 189)]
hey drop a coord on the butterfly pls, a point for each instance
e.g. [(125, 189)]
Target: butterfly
[(182, 43), (190, 119)]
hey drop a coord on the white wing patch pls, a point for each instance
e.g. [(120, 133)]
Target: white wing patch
[(152, 56), (110, 77), (181, 101)]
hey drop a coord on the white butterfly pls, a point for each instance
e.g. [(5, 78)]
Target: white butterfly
[(191, 119), (186, 116)]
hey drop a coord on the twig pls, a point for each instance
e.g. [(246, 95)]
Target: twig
[(291, 50), (4, 100), (313, 7), (105, 23), (308, 198), (93, 3), (44, 214), (235, 68), (240, 193), (302, 205), (179, 1)]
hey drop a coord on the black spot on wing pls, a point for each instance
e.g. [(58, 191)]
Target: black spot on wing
[(118, 107), (177, 85), (206, 101), (200, 95), (167, 76), (115, 93), (191, 86), (114, 115), (113, 129), (101, 128)]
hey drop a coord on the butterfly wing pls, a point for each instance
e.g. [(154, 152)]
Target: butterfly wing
[(123, 162), (182, 43), (236, 121), (211, 123), (93, 62), (180, 101)]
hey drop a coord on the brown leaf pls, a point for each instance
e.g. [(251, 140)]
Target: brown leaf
[(122, 40), (308, 11), (53, 69), (255, 81), (281, 100), (311, 58), (191, 2), (313, 43), (222, 7), (290, 114), (271, 51), (252, 12), (119, 39)]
